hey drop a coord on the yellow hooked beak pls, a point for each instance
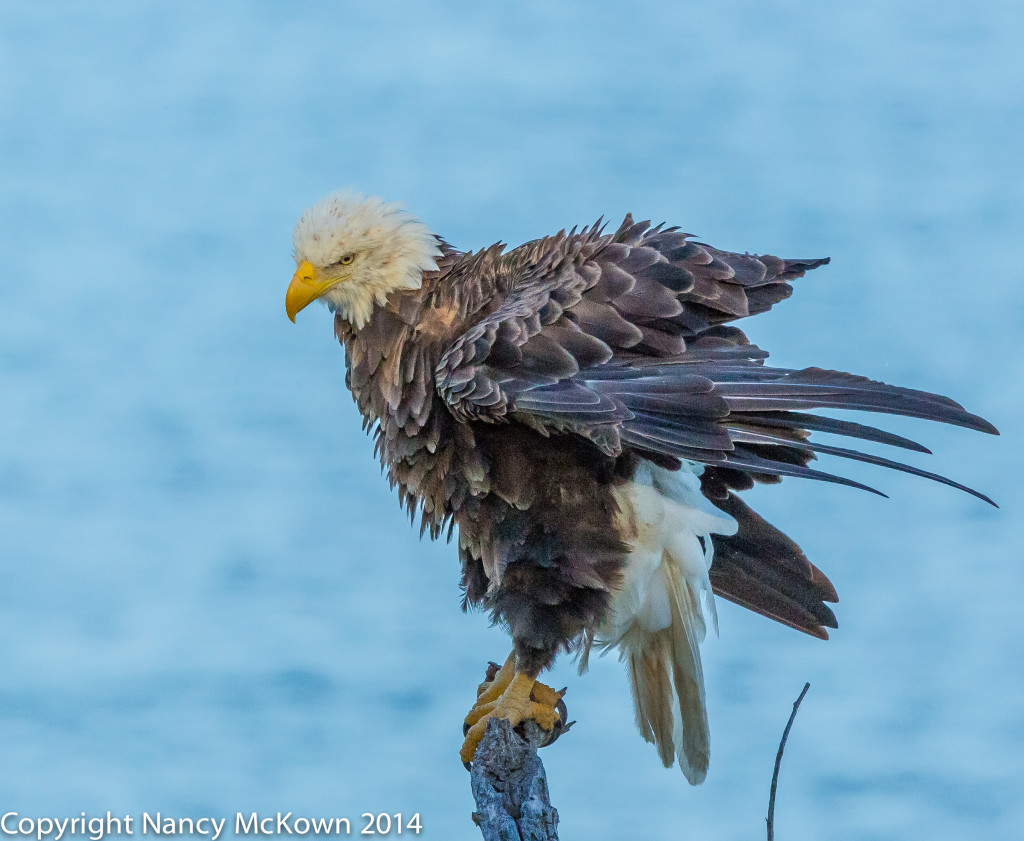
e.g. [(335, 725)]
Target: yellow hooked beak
[(304, 289)]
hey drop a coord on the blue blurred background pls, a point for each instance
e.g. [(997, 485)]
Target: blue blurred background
[(210, 600)]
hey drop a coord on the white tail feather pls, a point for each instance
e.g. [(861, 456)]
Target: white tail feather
[(657, 619)]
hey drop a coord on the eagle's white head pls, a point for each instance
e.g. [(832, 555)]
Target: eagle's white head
[(353, 251)]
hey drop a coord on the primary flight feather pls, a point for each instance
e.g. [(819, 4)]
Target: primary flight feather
[(581, 409)]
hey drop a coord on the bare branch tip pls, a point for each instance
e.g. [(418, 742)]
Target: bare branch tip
[(778, 762)]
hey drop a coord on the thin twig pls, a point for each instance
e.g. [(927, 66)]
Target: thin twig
[(778, 763)]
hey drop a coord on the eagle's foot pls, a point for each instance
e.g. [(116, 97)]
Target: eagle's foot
[(516, 697), (495, 683)]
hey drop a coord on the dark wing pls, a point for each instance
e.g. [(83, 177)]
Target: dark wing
[(573, 303), (622, 339)]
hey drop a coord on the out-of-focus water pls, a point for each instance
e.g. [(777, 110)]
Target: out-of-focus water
[(210, 600)]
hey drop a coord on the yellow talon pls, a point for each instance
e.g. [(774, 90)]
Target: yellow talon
[(513, 696), (478, 712), (490, 690), (544, 694)]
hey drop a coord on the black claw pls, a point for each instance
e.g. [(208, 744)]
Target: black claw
[(561, 726), (468, 766)]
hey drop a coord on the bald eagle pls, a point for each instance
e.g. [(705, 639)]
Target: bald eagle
[(582, 410)]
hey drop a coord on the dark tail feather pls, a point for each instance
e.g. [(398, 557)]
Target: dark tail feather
[(762, 569)]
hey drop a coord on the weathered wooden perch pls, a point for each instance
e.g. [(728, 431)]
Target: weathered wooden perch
[(510, 787)]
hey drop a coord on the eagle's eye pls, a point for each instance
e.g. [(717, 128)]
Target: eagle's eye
[(347, 260)]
